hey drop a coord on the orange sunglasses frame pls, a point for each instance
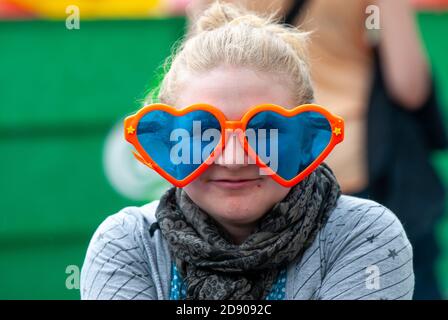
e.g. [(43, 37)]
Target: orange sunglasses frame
[(131, 125)]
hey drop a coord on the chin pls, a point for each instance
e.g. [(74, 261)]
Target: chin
[(238, 209), (246, 205), (240, 215)]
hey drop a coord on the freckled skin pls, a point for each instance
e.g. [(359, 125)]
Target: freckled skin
[(234, 91)]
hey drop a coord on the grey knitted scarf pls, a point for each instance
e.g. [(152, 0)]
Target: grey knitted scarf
[(215, 268)]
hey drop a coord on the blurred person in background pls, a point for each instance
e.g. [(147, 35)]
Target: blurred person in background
[(379, 81)]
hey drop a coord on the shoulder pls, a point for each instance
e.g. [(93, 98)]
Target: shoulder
[(355, 219), (353, 212), (130, 218), (360, 237), (129, 227), (122, 250)]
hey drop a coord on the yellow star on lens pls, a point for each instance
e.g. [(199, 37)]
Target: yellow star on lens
[(130, 130), (337, 131)]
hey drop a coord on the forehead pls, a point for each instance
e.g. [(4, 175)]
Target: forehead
[(234, 90)]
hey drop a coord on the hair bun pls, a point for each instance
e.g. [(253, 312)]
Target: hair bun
[(226, 33), (221, 14)]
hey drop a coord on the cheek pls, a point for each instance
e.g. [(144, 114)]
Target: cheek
[(196, 191), (273, 192)]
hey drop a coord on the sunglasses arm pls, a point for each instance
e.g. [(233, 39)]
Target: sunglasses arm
[(140, 158)]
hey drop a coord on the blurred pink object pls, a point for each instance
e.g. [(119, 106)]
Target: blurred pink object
[(430, 4), (177, 6), (11, 10)]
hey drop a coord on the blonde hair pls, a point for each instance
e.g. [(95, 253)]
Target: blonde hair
[(229, 35)]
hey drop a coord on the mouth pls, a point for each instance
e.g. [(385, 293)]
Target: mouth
[(235, 184)]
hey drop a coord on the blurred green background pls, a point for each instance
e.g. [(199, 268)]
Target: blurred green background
[(62, 94)]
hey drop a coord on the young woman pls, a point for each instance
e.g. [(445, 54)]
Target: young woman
[(378, 79), (234, 232)]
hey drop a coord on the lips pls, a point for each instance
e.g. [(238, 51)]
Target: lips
[(235, 184)]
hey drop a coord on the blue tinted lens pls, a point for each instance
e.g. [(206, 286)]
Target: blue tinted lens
[(288, 144), (178, 144)]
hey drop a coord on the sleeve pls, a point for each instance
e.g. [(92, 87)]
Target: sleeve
[(368, 256), (115, 266)]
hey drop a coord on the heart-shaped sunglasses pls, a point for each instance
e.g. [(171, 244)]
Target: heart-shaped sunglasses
[(287, 144)]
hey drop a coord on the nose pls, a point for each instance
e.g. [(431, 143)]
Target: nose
[(233, 156)]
